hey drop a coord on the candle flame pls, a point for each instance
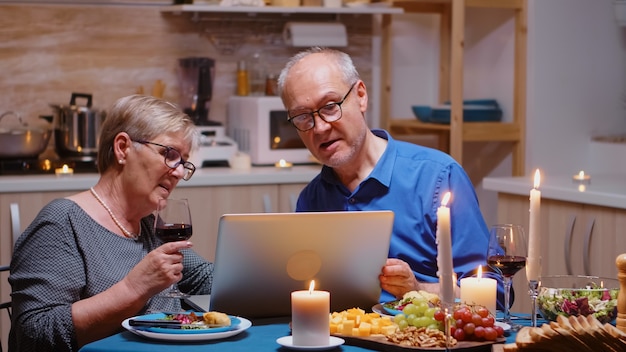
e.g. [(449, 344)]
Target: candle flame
[(282, 162), (311, 286), (537, 178), (480, 272), (65, 168), (581, 175), (446, 198)]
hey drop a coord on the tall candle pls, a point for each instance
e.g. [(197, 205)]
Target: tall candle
[(444, 252), (480, 291), (310, 325), (533, 264)]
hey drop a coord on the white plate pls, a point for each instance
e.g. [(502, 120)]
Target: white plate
[(168, 335), (287, 341)]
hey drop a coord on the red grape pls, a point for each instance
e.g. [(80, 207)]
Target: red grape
[(490, 334), (439, 315), (479, 332), (499, 330), (482, 311), (469, 329), (488, 321), (459, 334)]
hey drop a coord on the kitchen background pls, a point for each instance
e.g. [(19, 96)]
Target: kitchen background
[(575, 86)]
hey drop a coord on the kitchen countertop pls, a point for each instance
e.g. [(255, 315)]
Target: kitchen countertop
[(607, 190), (220, 176)]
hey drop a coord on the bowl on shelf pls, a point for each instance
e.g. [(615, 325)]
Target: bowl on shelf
[(473, 111), (572, 295)]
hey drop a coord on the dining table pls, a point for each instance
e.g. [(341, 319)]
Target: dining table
[(261, 336)]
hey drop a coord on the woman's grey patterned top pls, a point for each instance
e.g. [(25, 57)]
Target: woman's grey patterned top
[(64, 256)]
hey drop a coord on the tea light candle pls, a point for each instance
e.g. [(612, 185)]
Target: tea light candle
[(283, 165), (479, 290), (64, 171), (533, 262), (444, 252), (310, 325), (582, 177)]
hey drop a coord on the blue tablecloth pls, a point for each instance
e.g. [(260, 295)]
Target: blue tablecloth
[(260, 337)]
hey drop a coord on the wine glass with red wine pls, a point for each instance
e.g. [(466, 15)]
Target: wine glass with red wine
[(507, 255), (173, 223)]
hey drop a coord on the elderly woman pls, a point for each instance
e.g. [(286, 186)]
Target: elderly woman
[(91, 260)]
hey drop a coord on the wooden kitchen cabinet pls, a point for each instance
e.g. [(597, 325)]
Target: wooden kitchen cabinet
[(576, 239), (452, 137)]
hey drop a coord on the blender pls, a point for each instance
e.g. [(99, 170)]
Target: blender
[(196, 89)]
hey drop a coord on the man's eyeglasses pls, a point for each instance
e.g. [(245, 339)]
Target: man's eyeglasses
[(329, 113), (173, 159)]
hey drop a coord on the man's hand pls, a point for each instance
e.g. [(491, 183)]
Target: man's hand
[(397, 277)]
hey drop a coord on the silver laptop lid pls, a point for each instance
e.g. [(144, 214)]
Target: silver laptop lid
[(261, 258)]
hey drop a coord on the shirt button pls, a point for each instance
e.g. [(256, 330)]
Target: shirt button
[(352, 200)]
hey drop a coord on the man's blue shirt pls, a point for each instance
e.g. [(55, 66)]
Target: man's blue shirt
[(411, 180)]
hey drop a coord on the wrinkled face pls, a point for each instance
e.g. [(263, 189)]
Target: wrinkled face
[(311, 85), (147, 172)]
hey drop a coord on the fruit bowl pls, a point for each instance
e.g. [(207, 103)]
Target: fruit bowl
[(571, 295)]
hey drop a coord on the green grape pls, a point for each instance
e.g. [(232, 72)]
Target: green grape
[(422, 322), (398, 318), (410, 318), (421, 307), (430, 312), (435, 326), (410, 309), (403, 324)]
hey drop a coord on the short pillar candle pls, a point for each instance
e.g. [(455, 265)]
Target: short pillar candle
[(479, 291), (310, 311)]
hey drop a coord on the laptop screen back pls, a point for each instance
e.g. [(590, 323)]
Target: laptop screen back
[(261, 258)]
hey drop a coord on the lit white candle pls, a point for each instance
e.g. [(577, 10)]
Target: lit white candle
[(533, 264), (444, 252), (480, 291), (310, 325), (64, 171), (283, 165), (582, 177)]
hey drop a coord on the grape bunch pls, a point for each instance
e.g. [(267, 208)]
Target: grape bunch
[(418, 313), (467, 323), (474, 323)]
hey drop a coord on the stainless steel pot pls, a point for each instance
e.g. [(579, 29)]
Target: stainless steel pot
[(22, 142), (77, 128)]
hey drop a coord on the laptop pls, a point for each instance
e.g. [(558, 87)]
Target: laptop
[(261, 258)]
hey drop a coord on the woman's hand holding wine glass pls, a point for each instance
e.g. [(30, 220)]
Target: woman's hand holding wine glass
[(507, 255), (173, 223)]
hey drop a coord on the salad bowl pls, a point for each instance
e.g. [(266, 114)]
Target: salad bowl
[(572, 295)]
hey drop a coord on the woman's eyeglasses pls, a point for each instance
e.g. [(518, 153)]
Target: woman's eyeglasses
[(173, 158)]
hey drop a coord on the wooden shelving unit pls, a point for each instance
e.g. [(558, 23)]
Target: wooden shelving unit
[(451, 138)]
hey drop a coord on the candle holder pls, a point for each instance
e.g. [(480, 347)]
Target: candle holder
[(533, 291), (447, 308)]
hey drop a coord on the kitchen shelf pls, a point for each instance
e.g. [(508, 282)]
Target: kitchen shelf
[(451, 137), (383, 8)]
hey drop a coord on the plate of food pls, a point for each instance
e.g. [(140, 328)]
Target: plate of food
[(189, 326)]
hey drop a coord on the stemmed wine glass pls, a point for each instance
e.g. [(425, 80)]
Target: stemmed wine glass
[(507, 255), (173, 223)]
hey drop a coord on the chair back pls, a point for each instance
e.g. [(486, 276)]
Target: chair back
[(4, 306)]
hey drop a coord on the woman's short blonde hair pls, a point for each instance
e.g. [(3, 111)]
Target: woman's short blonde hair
[(143, 118)]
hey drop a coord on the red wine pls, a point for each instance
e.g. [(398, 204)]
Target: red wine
[(173, 232), (509, 265)]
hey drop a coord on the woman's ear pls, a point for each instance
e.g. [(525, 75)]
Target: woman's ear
[(121, 144)]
